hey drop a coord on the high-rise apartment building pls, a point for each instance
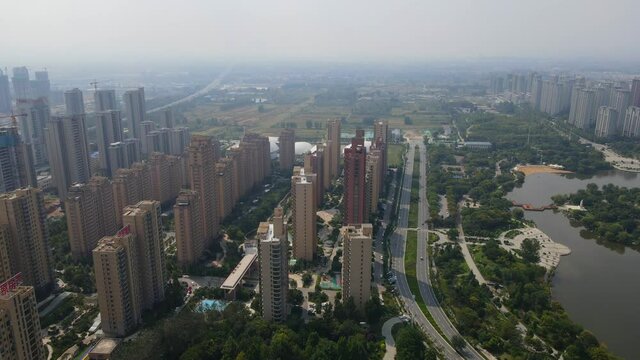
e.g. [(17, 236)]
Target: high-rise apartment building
[(332, 151), (313, 164), (115, 263), (224, 187), (166, 176), (40, 86), (21, 84), (202, 162), (635, 92), (67, 147), (355, 159), (130, 186), (287, 149), (74, 102), (23, 216), (144, 222), (91, 215), (179, 140), (105, 100), (19, 323), (5, 94), (16, 161), (274, 275), (167, 118), (32, 126), (536, 92), (304, 217), (606, 124), (356, 263), (373, 180), (135, 108), (188, 227), (108, 131), (583, 114), (146, 128), (620, 102), (631, 126)]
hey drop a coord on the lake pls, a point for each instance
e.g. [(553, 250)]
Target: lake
[(598, 285)]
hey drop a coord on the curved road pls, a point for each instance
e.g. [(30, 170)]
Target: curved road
[(390, 344), (398, 242), (422, 263)]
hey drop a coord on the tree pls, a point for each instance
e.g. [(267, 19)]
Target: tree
[(410, 345), (458, 342), (453, 234), (295, 297), (530, 251), (307, 279), (373, 310)]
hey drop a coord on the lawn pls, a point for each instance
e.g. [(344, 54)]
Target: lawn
[(394, 153)]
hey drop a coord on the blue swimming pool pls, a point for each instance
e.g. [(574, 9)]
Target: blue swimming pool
[(209, 304)]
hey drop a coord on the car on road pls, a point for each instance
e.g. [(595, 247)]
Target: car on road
[(421, 258)]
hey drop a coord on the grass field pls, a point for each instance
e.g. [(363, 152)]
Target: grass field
[(395, 152)]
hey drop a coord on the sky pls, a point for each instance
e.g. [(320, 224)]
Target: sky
[(41, 32)]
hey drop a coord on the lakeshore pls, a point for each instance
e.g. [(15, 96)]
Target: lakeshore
[(540, 169)]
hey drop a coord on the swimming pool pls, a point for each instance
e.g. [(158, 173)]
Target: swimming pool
[(211, 304)]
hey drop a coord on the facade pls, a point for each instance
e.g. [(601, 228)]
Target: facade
[(73, 102), (224, 183), (179, 140), (115, 261), (23, 217), (188, 227), (5, 94), (332, 151), (583, 114), (304, 217), (201, 167), (635, 93), (355, 159), (16, 162), (632, 122), (68, 151), (20, 82), (32, 126), (90, 213), (287, 149), (135, 108), (356, 263), (606, 124), (143, 220), (20, 324), (274, 276), (40, 86), (108, 131), (313, 164), (105, 100), (166, 177), (373, 181), (129, 187), (620, 102)]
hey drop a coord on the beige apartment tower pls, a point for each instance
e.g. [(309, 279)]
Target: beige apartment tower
[(188, 227), (304, 218), (274, 276), (68, 151), (333, 147), (90, 214), (119, 290), (21, 337), (129, 187), (287, 149), (356, 263), (202, 167), (23, 217), (143, 220)]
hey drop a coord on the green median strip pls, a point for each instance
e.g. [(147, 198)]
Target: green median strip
[(410, 271), (415, 192)]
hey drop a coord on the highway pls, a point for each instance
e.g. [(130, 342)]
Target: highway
[(398, 243), (422, 263)]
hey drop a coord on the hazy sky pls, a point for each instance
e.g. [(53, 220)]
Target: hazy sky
[(41, 32)]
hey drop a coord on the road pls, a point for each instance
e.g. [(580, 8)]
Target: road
[(378, 264), (212, 85), (422, 263), (390, 344), (398, 242)]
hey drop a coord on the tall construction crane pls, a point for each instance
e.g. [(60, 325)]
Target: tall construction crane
[(14, 118)]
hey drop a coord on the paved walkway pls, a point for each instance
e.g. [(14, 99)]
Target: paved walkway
[(390, 354)]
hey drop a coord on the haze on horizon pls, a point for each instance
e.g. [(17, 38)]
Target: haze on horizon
[(44, 32)]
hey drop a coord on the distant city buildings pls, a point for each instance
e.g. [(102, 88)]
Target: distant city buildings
[(108, 131), (16, 161), (74, 102), (5, 94), (135, 108), (105, 100), (32, 126)]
